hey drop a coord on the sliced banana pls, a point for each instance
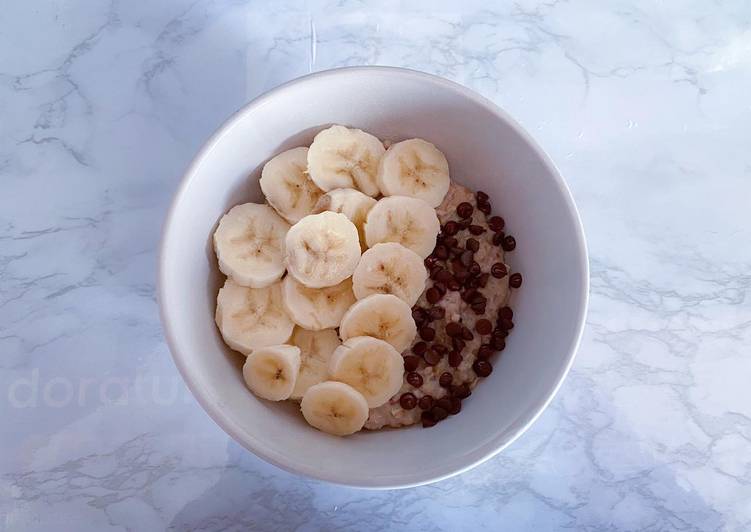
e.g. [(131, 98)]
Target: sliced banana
[(407, 221), (287, 186), (316, 308), (382, 316), (249, 245), (390, 268), (250, 318), (322, 249), (271, 372), (351, 203), (335, 408), (316, 348), (341, 157), (371, 366), (415, 168)]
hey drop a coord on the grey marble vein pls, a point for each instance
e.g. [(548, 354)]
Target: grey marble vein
[(643, 105)]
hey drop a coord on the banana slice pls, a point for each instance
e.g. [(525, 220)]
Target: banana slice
[(322, 249), (345, 158), (335, 408), (382, 316), (271, 372), (287, 186), (390, 268), (316, 348), (316, 308), (415, 168), (371, 366), (351, 203), (249, 318), (407, 221), (249, 245)]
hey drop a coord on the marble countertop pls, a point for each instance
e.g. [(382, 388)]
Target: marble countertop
[(644, 105)]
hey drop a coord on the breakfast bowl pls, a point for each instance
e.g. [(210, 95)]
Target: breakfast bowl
[(486, 151)]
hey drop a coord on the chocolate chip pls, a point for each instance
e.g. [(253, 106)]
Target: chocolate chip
[(509, 243), (419, 315), (443, 276), (498, 342), (441, 287), (467, 257), (455, 359), (427, 419), (427, 333), (496, 224), (458, 344), (506, 312), (453, 328), (474, 268), (433, 295), (472, 244), (469, 295), (440, 349), (435, 272), (483, 368), (451, 228), (408, 401), (443, 402), (453, 284), (436, 313), (467, 334), (485, 352), (425, 402), (411, 363), (419, 348), (472, 282), (432, 357), (484, 207), (476, 229), (464, 209), (478, 308), (505, 324), (439, 413), (499, 270), (498, 238), (479, 298), (430, 261), (457, 266), (445, 379), (484, 326), (461, 275), (515, 281), (441, 252), (462, 391), (414, 379), (450, 242), (483, 279), (456, 406), (463, 224), (481, 196), (456, 252)]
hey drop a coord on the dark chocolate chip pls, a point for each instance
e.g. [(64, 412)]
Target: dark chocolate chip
[(467, 334), (506, 312), (476, 229), (435, 272), (432, 357), (485, 352), (427, 333), (425, 402), (505, 324), (445, 379), (484, 326), (428, 420), (482, 368), (515, 281), (439, 414), (453, 285), (441, 252), (496, 224), (483, 279), (467, 257), (472, 244), (441, 287), (455, 359), (443, 402), (498, 341), (509, 243), (440, 349), (482, 197), (499, 270), (411, 363), (436, 313), (453, 328), (464, 209), (433, 295), (498, 238), (444, 276), (408, 401), (456, 406), (414, 379), (450, 242), (462, 391), (474, 268), (419, 315), (451, 228), (484, 207), (419, 348), (430, 261), (458, 344)]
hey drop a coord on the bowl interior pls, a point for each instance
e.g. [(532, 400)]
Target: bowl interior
[(485, 151)]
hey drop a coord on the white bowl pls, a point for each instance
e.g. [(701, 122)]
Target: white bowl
[(486, 150)]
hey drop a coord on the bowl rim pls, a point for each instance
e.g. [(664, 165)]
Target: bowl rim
[(227, 424)]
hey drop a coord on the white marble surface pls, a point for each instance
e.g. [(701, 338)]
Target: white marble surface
[(646, 107)]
